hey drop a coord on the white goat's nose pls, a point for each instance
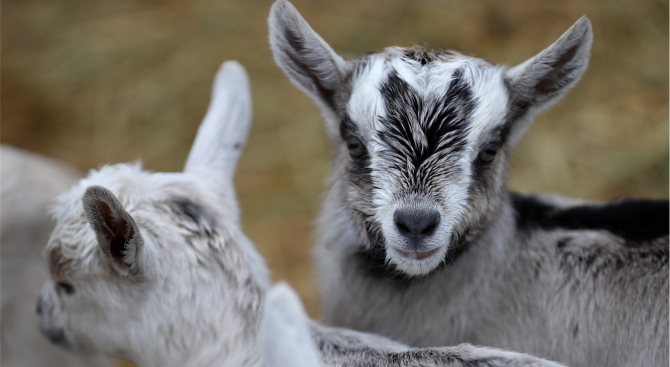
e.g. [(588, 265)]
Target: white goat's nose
[(416, 224)]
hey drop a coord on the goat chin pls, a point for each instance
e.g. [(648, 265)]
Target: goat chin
[(416, 263)]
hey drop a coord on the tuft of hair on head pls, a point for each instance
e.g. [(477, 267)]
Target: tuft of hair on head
[(285, 339), (307, 59), (223, 132), (543, 79)]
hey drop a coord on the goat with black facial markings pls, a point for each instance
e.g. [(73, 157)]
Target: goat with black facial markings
[(154, 267), (421, 240)]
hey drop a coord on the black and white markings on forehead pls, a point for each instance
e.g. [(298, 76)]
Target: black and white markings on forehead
[(431, 96)]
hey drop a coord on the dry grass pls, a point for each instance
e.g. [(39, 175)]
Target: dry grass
[(92, 82)]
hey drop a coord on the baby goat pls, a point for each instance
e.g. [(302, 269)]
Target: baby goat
[(420, 239), (154, 268)]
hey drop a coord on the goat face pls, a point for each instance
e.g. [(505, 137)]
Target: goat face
[(424, 137)]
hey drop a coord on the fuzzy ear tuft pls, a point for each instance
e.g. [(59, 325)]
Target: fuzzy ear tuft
[(117, 233), (285, 338), (306, 58), (542, 80)]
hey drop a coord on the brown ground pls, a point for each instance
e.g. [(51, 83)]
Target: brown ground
[(92, 82)]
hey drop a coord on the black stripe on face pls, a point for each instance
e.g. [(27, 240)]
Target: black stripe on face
[(441, 123), (635, 220)]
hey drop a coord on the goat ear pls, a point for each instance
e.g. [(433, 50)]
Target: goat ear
[(307, 59), (544, 79), (116, 231), (285, 338), (223, 132)]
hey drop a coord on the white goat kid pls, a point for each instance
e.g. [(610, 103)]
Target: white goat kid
[(154, 268), (30, 183), (420, 239)]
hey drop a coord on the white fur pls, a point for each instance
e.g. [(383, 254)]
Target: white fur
[(218, 144)]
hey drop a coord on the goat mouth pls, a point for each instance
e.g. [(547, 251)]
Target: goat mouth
[(418, 255)]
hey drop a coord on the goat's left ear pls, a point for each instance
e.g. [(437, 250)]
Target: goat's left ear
[(223, 133), (116, 231), (544, 79)]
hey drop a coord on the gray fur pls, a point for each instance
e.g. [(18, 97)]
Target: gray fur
[(577, 294), (29, 184)]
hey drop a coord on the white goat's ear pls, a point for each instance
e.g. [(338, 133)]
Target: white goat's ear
[(306, 58), (223, 132), (285, 337), (117, 233), (544, 79)]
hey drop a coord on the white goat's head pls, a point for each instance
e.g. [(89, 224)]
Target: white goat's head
[(424, 137), (130, 245)]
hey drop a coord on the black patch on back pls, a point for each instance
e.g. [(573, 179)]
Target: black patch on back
[(443, 122), (636, 220)]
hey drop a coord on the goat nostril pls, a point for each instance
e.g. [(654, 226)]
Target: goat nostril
[(415, 222), (430, 228), (402, 228)]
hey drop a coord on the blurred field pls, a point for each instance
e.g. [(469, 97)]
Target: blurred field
[(92, 82)]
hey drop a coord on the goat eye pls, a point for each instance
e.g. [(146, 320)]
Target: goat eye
[(488, 153), (355, 147), (65, 287)]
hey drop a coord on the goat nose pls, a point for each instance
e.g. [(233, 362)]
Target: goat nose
[(416, 223)]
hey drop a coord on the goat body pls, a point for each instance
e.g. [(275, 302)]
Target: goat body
[(420, 239)]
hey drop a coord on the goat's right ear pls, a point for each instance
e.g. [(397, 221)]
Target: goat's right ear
[(306, 58), (285, 338), (116, 231)]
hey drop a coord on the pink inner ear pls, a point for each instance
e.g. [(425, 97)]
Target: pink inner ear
[(118, 226)]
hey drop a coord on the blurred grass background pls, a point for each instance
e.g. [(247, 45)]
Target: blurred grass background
[(94, 82)]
